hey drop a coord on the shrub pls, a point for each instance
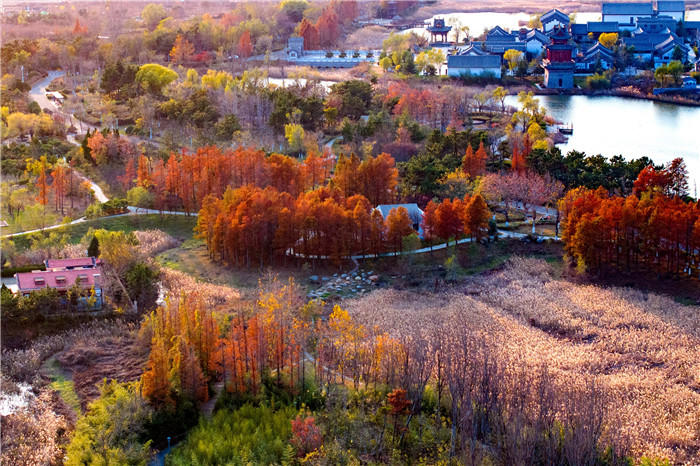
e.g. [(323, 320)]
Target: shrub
[(597, 81), (8, 272), (112, 430), (254, 435)]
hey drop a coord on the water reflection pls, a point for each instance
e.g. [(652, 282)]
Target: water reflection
[(629, 127)]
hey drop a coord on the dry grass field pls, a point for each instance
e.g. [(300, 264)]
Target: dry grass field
[(642, 349)]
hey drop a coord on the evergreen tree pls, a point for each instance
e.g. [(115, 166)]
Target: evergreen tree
[(94, 248)]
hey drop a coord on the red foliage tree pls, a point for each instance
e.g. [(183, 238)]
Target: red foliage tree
[(328, 28), (306, 435), (310, 34), (651, 179), (245, 46)]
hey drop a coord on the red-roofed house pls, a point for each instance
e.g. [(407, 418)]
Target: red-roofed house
[(61, 280), (68, 264), (62, 274)]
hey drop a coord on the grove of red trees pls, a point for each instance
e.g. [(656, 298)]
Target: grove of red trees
[(655, 233)]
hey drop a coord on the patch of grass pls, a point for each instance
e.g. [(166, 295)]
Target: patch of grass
[(193, 259), (61, 382), (178, 226)]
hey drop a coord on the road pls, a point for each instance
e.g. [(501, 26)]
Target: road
[(38, 91)]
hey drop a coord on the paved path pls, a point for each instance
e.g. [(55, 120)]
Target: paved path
[(38, 91), (437, 247)]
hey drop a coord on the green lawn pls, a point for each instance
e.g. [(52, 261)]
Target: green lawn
[(193, 259), (61, 382), (178, 226)]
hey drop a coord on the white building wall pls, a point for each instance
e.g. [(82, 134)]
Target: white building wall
[(552, 24), (534, 47), (456, 72)]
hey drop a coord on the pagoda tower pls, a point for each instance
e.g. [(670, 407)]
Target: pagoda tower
[(559, 65), (439, 30)]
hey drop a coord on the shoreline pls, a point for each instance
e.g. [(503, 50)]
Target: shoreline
[(631, 94), (516, 6)]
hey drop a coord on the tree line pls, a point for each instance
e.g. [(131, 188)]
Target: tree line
[(649, 233)]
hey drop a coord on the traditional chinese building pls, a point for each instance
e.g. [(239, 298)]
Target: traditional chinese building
[(439, 31), (559, 65)]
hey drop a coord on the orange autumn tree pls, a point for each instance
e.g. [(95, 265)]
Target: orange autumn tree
[(58, 186), (42, 185), (378, 177), (310, 34), (143, 176), (127, 179), (399, 225), (476, 217), (328, 28), (245, 46), (653, 232), (78, 29), (448, 221), (182, 50), (474, 164), (429, 222), (517, 161)]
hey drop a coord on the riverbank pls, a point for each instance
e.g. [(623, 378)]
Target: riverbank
[(627, 91), (502, 6), (514, 6)]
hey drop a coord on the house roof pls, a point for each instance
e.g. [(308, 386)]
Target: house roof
[(554, 15), (59, 279), (70, 263), (598, 50), (645, 42), (498, 31), (579, 28), (500, 47), (670, 44), (657, 20), (414, 212), (538, 35), (439, 29), (674, 6), (603, 26), (471, 49), (640, 9)]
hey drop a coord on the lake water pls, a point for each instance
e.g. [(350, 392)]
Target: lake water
[(477, 22), (632, 128)]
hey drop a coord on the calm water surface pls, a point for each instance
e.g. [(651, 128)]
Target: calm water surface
[(632, 128), (477, 22)]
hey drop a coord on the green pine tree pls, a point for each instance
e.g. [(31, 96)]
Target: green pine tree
[(94, 248)]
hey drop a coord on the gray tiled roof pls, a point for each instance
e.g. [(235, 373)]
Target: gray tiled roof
[(553, 15), (579, 28), (598, 50), (536, 34), (473, 61), (666, 5), (603, 26), (640, 9)]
